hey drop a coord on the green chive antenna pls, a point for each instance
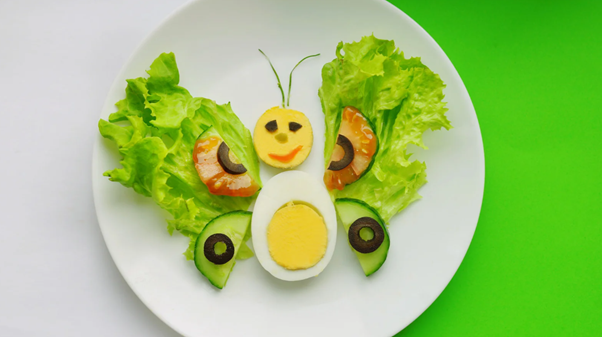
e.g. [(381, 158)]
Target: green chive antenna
[(275, 73), (290, 78)]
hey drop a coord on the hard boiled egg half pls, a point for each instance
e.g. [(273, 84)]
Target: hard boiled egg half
[(294, 226)]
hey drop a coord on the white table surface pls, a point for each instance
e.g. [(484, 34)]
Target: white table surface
[(57, 61)]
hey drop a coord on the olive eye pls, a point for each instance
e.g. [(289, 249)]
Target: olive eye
[(272, 126), (294, 126)]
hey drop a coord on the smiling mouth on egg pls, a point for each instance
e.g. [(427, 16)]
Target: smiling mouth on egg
[(286, 157)]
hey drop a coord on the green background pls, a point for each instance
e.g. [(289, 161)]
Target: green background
[(533, 70)]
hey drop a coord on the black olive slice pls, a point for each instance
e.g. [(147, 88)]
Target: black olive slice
[(294, 126), (345, 143), (271, 126), (223, 157), (210, 249), (360, 244)]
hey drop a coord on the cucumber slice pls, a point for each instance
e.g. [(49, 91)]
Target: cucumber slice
[(350, 210), (235, 226)]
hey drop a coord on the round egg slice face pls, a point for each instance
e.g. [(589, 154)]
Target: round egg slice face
[(294, 226), (283, 137)]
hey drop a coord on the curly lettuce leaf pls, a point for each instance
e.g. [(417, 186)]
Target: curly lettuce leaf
[(236, 135), (155, 129), (133, 103), (169, 103), (402, 98)]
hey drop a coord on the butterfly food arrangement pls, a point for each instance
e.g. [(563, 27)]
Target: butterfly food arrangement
[(198, 161)]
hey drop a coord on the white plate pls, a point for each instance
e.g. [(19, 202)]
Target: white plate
[(215, 43)]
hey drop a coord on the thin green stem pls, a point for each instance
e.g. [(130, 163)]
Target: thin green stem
[(290, 78), (275, 73)]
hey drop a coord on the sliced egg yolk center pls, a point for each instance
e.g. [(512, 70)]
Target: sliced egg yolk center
[(297, 237)]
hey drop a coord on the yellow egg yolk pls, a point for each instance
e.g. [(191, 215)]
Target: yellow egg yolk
[(297, 237)]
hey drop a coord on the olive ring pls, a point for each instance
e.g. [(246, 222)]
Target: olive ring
[(210, 249), (223, 158), (361, 245), (347, 146)]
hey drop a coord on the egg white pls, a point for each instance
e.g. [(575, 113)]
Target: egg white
[(281, 189)]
